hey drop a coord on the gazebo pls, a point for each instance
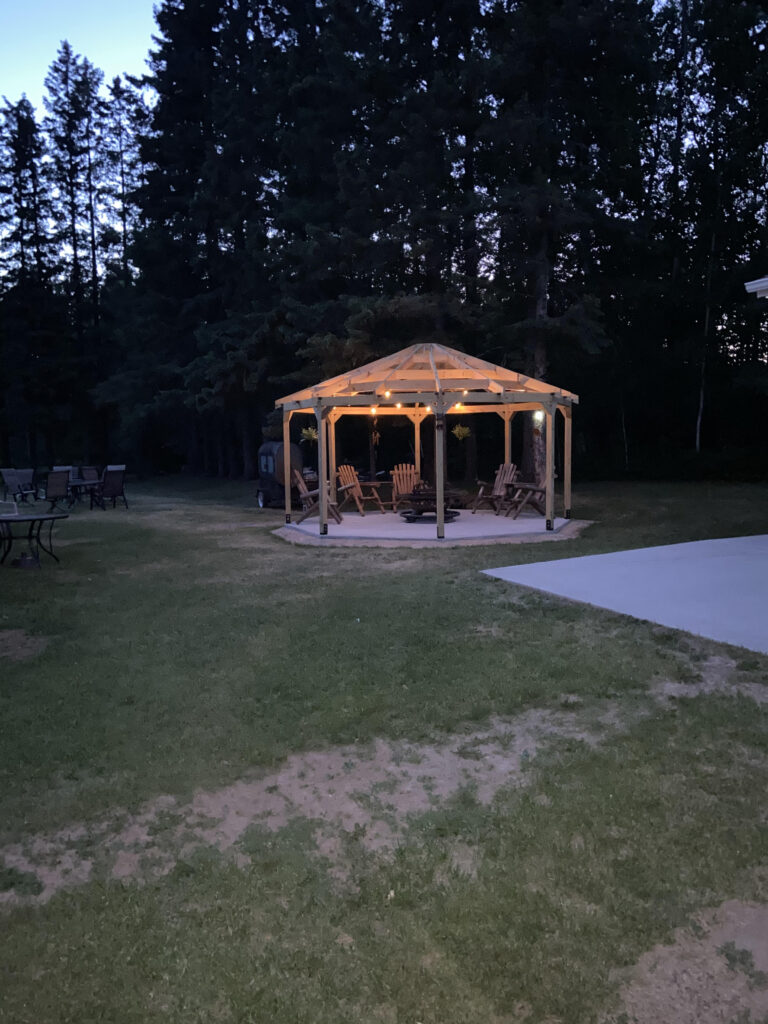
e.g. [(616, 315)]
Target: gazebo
[(421, 382)]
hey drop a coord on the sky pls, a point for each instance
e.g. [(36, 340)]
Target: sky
[(115, 36)]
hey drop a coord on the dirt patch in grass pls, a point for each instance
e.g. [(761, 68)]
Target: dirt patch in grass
[(714, 972), (371, 793), (717, 675), (17, 644)]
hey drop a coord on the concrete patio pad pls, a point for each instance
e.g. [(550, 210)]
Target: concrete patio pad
[(714, 588), (392, 530)]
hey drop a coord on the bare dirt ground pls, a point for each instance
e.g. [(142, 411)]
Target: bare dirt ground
[(16, 644), (373, 792), (714, 972), (716, 969)]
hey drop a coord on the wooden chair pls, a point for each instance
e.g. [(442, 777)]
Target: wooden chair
[(522, 495), (405, 480), (310, 500), (506, 474), (356, 491), (109, 488)]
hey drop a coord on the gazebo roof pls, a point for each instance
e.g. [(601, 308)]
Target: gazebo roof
[(441, 373), (758, 287)]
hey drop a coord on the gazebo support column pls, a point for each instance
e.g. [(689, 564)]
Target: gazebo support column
[(567, 454), (287, 463), (550, 485), (507, 414), (322, 466), (333, 416), (416, 416), (440, 473)]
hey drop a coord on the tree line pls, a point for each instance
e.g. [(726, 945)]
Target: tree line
[(572, 188)]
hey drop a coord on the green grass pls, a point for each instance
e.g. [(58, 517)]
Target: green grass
[(188, 647)]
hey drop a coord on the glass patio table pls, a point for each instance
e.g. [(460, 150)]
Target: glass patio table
[(32, 524)]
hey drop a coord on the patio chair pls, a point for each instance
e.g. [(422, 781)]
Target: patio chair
[(405, 480), (357, 491), (26, 488), (57, 489), (494, 497), (522, 495), (10, 482), (310, 500), (109, 488)]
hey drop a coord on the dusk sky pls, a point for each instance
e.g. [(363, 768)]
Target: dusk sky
[(114, 35)]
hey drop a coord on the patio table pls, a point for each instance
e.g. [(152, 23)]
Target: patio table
[(33, 523)]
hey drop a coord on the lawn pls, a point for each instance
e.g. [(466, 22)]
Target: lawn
[(249, 781)]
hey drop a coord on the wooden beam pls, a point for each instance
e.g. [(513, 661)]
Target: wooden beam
[(440, 475), (567, 456), (287, 463), (332, 453), (322, 469), (550, 498), (421, 397)]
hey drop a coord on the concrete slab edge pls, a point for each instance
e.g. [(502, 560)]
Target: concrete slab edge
[(570, 531)]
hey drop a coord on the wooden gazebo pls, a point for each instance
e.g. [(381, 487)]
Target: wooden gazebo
[(419, 382)]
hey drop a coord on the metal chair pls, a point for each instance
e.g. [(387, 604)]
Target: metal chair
[(57, 488), (110, 488)]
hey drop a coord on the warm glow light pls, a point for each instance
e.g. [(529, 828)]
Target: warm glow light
[(538, 416), (399, 405), (387, 394), (429, 408), (373, 408), (465, 392)]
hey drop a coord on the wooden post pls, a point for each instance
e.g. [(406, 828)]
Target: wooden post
[(322, 467), (287, 462), (332, 417), (567, 453), (550, 455), (417, 445), (440, 472), (508, 414)]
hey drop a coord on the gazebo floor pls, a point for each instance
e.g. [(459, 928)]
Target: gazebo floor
[(391, 530)]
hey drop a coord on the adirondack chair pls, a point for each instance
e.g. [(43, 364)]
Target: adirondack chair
[(310, 500), (523, 495), (496, 495), (357, 491), (405, 480)]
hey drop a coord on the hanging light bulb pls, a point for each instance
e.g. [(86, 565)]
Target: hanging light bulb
[(387, 394)]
